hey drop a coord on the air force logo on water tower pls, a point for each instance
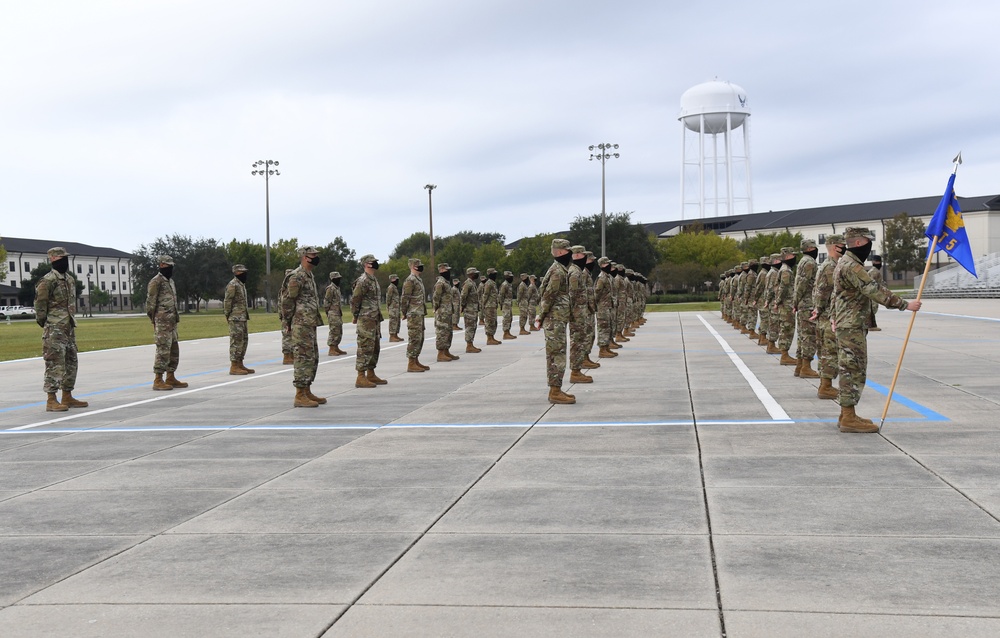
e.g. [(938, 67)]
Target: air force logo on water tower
[(743, 100)]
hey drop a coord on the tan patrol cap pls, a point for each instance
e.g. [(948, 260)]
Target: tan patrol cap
[(238, 268), (57, 252), (858, 231)]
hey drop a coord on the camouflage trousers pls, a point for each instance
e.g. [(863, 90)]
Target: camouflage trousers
[(414, 335), (238, 338), (167, 352), (555, 351), (442, 329), (490, 319), (59, 353), (336, 332), (577, 343), (748, 317), (765, 320), (603, 327), (852, 360), (369, 343), (471, 325), (773, 324), (306, 355), (532, 313), (591, 331), (286, 341), (522, 316), (613, 320), (456, 314), (394, 323), (508, 316), (786, 326), (827, 342), (806, 340), (871, 315)]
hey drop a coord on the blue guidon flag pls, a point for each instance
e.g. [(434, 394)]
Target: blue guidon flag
[(949, 228)]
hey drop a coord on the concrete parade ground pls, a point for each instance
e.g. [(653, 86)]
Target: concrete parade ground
[(696, 489)]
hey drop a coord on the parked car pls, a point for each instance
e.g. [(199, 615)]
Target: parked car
[(16, 312)]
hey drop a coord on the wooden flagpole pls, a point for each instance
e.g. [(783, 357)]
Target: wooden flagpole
[(913, 317)]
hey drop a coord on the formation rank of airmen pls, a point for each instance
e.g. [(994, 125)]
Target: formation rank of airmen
[(594, 301), (831, 306)]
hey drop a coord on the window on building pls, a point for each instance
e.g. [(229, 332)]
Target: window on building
[(79, 269), (114, 302), (897, 276), (13, 283), (90, 268), (124, 285), (112, 285), (112, 270), (822, 238), (102, 269), (104, 286), (27, 266), (821, 258), (13, 267)]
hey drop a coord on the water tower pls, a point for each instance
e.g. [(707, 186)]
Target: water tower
[(719, 178)]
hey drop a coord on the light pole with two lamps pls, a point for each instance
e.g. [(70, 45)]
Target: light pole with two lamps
[(604, 152), (267, 168), (430, 216)]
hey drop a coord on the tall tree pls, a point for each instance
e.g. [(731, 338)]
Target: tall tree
[(627, 243), (251, 255), (694, 257), (532, 255), (3, 261), (904, 244), (418, 243), (26, 295), (458, 255), (205, 273), (474, 238), (769, 243), (492, 255)]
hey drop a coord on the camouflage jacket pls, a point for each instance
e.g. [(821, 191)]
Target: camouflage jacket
[(591, 295), (769, 286), (579, 301), (282, 295), (412, 301), (235, 304), (875, 273), (805, 279), (602, 291), (441, 296), (533, 297), (161, 300), (505, 295), (55, 300), (301, 304), (523, 294), (392, 299), (489, 294), (554, 293), (331, 301), (852, 290), (823, 289), (758, 293), (470, 297), (749, 286), (784, 286), (365, 298)]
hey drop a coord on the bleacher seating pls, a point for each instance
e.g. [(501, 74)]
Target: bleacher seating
[(954, 281)]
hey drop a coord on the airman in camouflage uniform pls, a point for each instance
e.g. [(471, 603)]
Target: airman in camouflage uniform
[(301, 310), (392, 307), (533, 298), (470, 308), (55, 304), (773, 318), (234, 306), (506, 296), (553, 315), (286, 322), (489, 301), (749, 313), (757, 298), (783, 305), (523, 292), (579, 313), (441, 302), (875, 272), (822, 307), (852, 290), (456, 303), (368, 318), (591, 266), (334, 315), (802, 305), (603, 300), (414, 308), (162, 310)]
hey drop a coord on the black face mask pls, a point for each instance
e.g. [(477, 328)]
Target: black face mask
[(313, 260), (591, 265), (374, 265), (862, 252), (446, 274), (474, 277), (420, 268), (509, 279), (877, 264), (581, 262), (492, 276), (335, 282), (791, 262), (393, 281), (61, 265), (755, 267), (242, 277), (765, 267), (606, 269), (167, 271), (564, 259), (812, 253)]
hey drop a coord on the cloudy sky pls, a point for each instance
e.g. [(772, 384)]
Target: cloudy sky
[(122, 121)]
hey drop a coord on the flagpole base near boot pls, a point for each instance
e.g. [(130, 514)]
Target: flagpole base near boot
[(852, 423)]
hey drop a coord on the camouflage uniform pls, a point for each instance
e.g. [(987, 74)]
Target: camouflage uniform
[(748, 316), (286, 322), (853, 290), (334, 312), (579, 312), (392, 306), (523, 294), (415, 309), (533, 298), (456, 302), (489, 304), (554, 313), (368, 317), (603, 301), (234, 307), (470, 305), (588, 272), (301, 311), (162, 309), (805, 279), (760, 306), (771, 286), (441, 302), (506, 298), (55, 304), (822, 306), (783, 301), (875, 272)]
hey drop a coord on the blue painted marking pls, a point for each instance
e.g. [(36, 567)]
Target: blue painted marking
[(924, 411)]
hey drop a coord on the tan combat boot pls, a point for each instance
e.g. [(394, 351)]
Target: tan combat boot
[(772, 349), (413, 366), (248, 370), (332, 352), (456, 328), (172, 381), (287, 360), (454, 357), (235, 369), (363, 382), (508, 335), (482, 322), (614, 345), (394, 338), (744, 330), (621, 338), (490, 341), (851, 422), (374, 379), (535, 328), (70, 402), (339, 351), (524, 332), (753, 335), (158, 383), (798, 367), (313, 397), (53, 405), (556, 395), (577, 376), (826, 389), (443, 356), (589, 364), (417, 359), (806, 371), (302, 400), (763, 340), (787, 360), (471, 348), (606, 353)]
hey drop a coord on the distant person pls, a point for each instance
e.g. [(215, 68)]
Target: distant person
[(368, 318), (783, 305), (802, 306), (554, 315), (301, 310), (55, 304), (488, 308), (603, 300), (853, 289), (163, 310), (414, 308), (392, 307), (287, 358), (523, 292), (507, 303), (826, 340), (234, 307), (875, 272), (456, 304), (470, 308), (441, 302), (533, 299), (334, 315)]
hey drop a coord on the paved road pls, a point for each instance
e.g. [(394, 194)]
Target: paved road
[(696, 488)]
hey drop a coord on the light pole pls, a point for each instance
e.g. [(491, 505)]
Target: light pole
[(605, 151), (430, 216), (90, 304), (267, 169)]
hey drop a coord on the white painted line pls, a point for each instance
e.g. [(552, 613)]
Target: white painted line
[(946, 314), (758, 388)]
